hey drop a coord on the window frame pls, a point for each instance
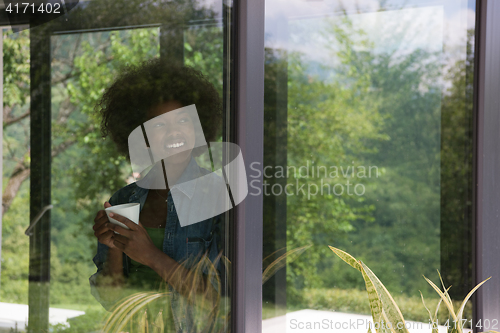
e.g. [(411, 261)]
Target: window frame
[(249, 53), (487, 161), (247, 113), (40, 142), (248, 107)]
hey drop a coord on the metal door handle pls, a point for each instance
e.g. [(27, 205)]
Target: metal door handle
[(36, 219)]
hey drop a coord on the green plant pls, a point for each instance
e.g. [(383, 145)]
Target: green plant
[(353, 300), (146, 312), (386, 313)]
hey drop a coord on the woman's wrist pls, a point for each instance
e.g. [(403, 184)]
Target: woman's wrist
[(156, 260), (114, 264)]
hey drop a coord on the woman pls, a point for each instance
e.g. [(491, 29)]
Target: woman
[(153, 98)]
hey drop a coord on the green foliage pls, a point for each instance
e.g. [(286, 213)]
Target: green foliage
[(15, 251), (16, 68), (330, 124), (382, 305), (89, 171), (406, 197), (203, 49), (16, 97), (458, 316), (356, 301), (156, 311), (386, 109), (91, 321), (86, 169), (375, 109), (384, 308), (457, 179), (208, 310)]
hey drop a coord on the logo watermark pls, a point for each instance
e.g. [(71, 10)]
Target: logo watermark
[(310, 180)]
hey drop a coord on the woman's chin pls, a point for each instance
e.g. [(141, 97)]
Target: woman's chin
[(179, 158)]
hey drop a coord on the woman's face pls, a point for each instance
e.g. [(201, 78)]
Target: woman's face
[(171, 133)]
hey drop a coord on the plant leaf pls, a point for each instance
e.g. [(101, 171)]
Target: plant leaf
[(128, 309), (428, 311), (143, 323), (269, 259), (445, 289), (466, 299), (281, 262), (151, 297), (373, 297), (159, 325), (433, 323), (122, 308), (346, 257), (437, 307), (389, 306), (443, 297)]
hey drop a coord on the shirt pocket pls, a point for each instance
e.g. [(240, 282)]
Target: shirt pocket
[(198, 242), (197, 246), (197, 249)]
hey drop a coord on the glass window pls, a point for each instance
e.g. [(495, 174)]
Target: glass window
[(368, 148), (116, 108)]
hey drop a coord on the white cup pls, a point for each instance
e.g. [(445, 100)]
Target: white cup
[(130, 211)]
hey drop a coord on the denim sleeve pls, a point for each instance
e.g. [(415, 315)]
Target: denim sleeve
[(216, 253), (100, 259)]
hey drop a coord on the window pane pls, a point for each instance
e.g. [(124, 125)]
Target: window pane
[(368, 149), (115, 104)]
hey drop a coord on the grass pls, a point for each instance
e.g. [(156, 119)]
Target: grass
[(91, 321), (356, 301), (270, 310)]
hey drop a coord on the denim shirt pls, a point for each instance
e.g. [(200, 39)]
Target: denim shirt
[(179, 243)]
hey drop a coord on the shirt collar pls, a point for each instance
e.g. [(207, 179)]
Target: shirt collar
[(139, 193), (186, 183)]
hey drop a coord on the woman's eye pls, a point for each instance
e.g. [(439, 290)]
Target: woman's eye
[(159, 125), (183, 120)]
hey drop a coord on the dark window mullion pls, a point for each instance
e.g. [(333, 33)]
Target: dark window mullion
[(40, 179), (249, 119), (487, 166)]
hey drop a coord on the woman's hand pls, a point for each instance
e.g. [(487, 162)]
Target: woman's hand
[(134, 242), (102, 229), (114, 264)]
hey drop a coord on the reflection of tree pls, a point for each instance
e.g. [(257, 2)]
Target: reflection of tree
[(407, 196), (423, 205), (83, 66), (275, 153), (75, 72), (328, 123), (456, 175), (404, 240), (15, 111), (85, 168), (383, 109)]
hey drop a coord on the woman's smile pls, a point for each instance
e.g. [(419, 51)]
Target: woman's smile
[(170, 133), (176, 143)]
